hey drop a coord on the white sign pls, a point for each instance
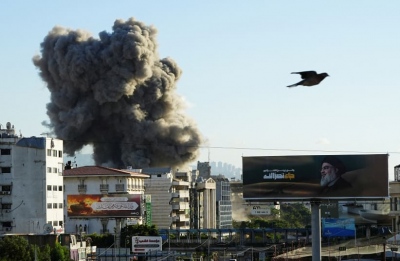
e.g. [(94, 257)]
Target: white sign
[(146, 244), (260, 210)]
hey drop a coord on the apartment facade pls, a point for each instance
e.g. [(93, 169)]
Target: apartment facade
[(31, 184), (204, 205), (169, 194), (99, 199)]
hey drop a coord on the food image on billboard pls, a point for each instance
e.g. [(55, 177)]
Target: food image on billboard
[(315, 176), (338, 227), (94, 205)]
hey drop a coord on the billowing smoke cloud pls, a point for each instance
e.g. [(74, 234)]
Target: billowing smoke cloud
[(118, 95)]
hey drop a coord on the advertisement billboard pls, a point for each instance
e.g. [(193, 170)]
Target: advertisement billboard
[(338, 227), (260, 210), (97, 205), (315, 176), (143, 244)]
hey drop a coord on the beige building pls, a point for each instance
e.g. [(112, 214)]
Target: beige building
[(99, 199), (206, 198), (169, 194)]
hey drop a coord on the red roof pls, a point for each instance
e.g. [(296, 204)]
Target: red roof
[(100, 171)]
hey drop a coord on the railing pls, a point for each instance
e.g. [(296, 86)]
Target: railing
[(104, 187), (119, 187), (81, 188)]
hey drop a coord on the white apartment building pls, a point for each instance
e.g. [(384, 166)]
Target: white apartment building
[(31, 185), (99, 199)]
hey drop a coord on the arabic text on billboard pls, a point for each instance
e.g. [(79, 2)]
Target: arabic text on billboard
[(104, 205), (142, 244), (316, 176)]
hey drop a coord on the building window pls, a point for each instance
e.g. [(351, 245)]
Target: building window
[(7, 224), (60, 153), (54, 153), (49, 205), (60, 223), (55, 223), (119, 187), (49, 152), (5, 151), (6, 206), (81, 188), (54, 188), (54, 205), (55, 170), (6, 188), (104, 187), (48, 187), (50, 222), (5, 170), (60, 188), (60, 205), (48, 169)]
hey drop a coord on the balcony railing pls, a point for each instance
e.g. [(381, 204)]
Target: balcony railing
[(119, 187), (104, 187), (82, 188)]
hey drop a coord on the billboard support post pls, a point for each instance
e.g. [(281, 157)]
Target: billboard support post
[(316, 229)]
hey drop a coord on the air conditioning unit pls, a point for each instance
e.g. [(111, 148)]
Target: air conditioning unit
[(8, 228)]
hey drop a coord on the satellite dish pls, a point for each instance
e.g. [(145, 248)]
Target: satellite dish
[(47, 228)]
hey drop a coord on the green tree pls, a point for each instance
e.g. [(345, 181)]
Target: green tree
[(136, 230), (15, 248), (59, 253), (101, 241), (297, 215), (43, 253)]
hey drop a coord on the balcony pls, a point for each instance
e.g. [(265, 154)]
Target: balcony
[(119, 187), (180, 194), (180, 205), (180, 218), (104, 188), (82, 188)]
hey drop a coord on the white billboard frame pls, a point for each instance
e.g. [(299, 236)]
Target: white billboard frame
[(146, 244)]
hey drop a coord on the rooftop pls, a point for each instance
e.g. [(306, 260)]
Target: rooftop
[(100, 171)]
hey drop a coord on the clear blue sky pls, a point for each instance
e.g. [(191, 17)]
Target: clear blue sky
[(236, 58)]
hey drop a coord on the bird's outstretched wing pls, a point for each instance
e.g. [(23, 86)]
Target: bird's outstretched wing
[(306, 74)]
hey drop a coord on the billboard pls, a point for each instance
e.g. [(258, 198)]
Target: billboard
[(315, 176), (94, 205), (260, 210), (338, 227), (143, 244)]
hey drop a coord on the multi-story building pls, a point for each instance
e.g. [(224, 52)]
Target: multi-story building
[(224, 204), (222, 197), (99, 199), (169, 194), (31, 184), (204, 204)]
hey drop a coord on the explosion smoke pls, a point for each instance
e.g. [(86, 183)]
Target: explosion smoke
[(116, 94)]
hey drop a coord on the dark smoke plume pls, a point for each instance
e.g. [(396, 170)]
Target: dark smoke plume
[(118, 95)]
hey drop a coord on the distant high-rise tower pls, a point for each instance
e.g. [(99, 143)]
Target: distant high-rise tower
[(204, 169)]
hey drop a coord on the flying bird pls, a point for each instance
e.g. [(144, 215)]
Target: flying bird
[(310, 78)]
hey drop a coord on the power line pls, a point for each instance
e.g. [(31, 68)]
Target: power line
[(235, 148)]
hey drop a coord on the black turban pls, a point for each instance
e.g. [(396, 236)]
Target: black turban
[(336, 163)]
